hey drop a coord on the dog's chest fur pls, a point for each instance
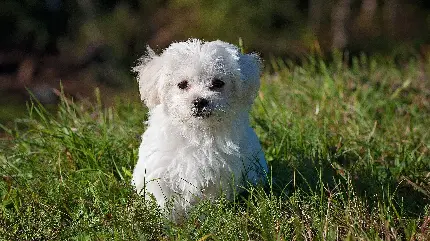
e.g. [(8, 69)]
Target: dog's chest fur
[(195, 163)]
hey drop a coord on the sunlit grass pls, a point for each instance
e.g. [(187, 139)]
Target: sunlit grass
[(348, 149)]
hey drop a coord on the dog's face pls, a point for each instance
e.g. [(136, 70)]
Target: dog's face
[(199, 82), (200, 90)]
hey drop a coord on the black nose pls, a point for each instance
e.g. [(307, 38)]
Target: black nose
[(200, 103)]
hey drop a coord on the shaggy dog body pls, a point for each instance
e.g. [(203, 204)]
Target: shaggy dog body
[(198, 143)]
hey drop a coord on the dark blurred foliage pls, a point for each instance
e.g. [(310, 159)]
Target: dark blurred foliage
[(88, 43)]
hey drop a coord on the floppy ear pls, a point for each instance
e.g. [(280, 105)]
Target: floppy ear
[(250, 66), (148, 73)]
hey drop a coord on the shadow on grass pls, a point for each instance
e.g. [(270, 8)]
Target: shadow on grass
[(373, 184)]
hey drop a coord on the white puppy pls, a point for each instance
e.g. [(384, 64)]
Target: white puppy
[(198, 143)]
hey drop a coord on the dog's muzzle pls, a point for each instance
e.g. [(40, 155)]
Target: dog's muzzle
[(201, 108)]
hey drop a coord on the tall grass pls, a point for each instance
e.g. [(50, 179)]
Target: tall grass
[(348, 146)]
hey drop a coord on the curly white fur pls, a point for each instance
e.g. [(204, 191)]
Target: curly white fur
[(194, 151)]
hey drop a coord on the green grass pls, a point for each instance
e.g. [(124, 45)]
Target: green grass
[(348, 149)]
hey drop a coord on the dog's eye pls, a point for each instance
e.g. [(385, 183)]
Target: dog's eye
[(183, 85), (216, 84)]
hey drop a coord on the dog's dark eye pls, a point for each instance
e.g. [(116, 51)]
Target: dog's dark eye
[(216, 84), (183, 85)]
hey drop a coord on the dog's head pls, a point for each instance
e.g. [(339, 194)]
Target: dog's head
[(199, 81)]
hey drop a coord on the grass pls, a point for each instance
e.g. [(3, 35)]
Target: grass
[(348, 148)]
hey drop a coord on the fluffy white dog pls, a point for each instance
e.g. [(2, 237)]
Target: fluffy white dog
[(198, 143)]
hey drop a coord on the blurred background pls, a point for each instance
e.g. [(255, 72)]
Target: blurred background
[(84, 44)]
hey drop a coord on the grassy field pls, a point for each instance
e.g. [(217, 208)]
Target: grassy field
[(348, 149)]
